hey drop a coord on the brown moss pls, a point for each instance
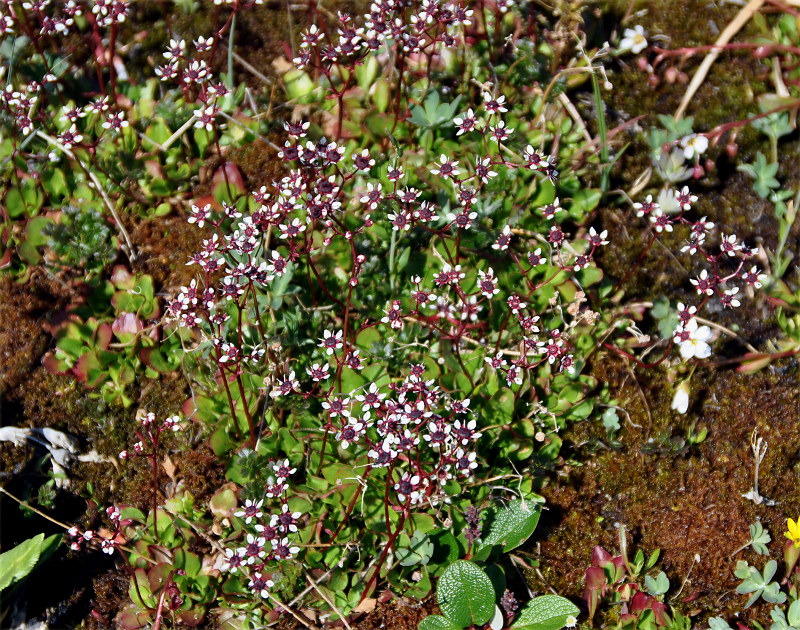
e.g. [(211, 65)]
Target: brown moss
[(110, 594), (163, 246), (202, 472), (683, 504), (22, 338), (398, 614)]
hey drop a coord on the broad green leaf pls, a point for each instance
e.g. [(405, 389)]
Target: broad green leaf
[(437, 622), (547, 612), (512, 525), (466, 595), (18, 562)]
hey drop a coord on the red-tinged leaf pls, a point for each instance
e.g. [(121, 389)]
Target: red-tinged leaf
[(157, 576), (639, 603), (53, 365), (659, 608), (595, 577), (228, 174), (188, 409), (193, 617), (223, 502), (600, 557), (5, 259), (122, 278), (207, 200), (88, 370), (753, 365), (132, 617), (127, 326), (103, 336)]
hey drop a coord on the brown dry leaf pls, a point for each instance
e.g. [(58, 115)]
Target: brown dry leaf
[(169, 467), (368, 605), (310, 614), (282, 65)]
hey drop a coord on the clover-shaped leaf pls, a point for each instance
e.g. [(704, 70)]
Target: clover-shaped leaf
[(758, 584), (657, 586)]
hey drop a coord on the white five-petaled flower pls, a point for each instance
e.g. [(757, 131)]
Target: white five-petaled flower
[(595, 239), (753, 277), (703, 284), (684, 198), (729, 298), (503, 240), (634, 40), (446, 167), (487, 283), (331, 341), (317, 372), (251, 510), (695, 345), (465, 123), (259, 585), (694, 145)]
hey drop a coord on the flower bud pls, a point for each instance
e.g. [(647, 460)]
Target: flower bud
[(680, 401)]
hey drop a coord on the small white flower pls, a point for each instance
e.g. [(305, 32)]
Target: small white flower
[(694, 145), (634, 40), (696, 344)]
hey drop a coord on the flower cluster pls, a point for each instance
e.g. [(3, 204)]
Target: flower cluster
[(724, 267), (150, 433), (267, 537), (108, 540)]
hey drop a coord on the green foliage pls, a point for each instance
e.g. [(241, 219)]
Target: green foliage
[(666, 317), (465, 594), (81, 241), (657, 586), (546, 612), (758, 584), (17, 563), (790, 620), (509, 526), (759, 539), (763, 174)]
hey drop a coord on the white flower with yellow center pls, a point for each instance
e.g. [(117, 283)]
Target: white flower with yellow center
[(634, 40)]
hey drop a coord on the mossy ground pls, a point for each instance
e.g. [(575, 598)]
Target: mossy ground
[(687, 503)]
